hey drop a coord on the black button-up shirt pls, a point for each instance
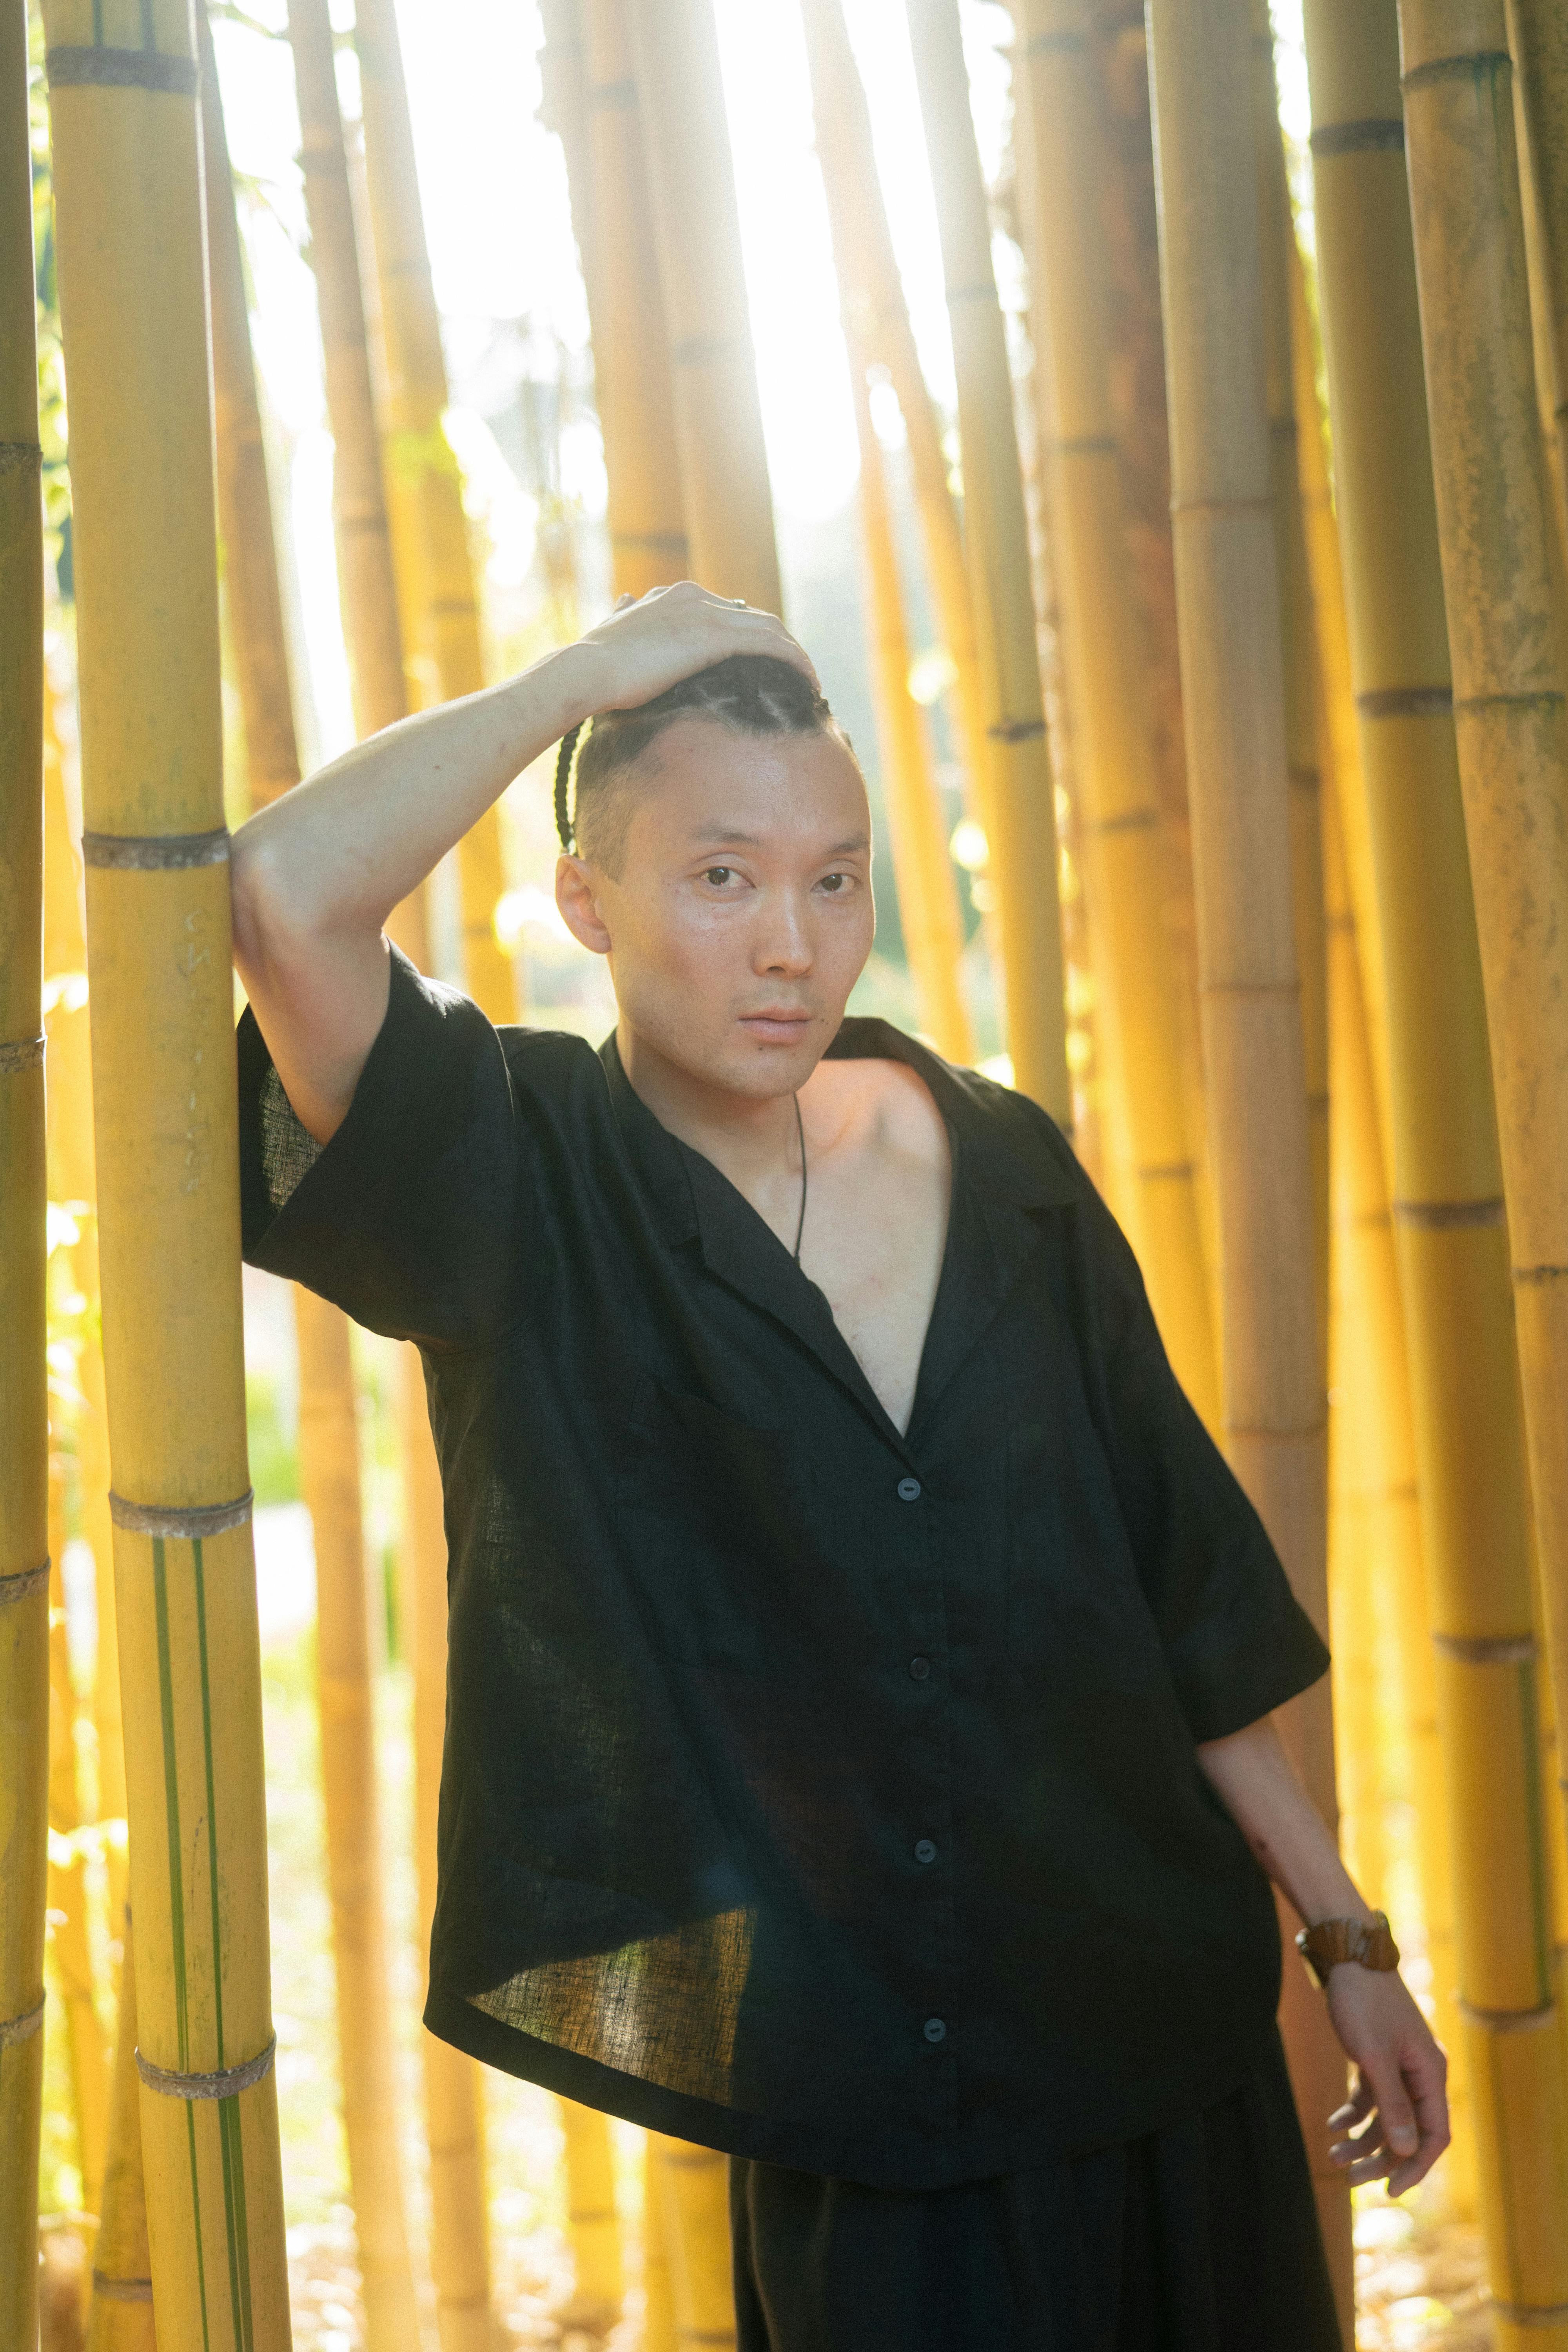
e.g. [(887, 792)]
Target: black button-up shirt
[(810, 1790)]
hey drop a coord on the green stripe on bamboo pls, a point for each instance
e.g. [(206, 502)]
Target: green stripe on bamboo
[(129, 225), (23, 1457), (725, 490), (1020, 799), (1449, 1234), (1229, 597), (1539, 39), (1124, 854)]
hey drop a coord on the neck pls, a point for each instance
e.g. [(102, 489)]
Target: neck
[(742, 1134)]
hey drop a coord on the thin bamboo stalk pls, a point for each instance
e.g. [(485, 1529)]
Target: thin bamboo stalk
[(459, 2241), (129, 227), (329, 1429), (928, 900), (1119, 816), (592, 94), (429, 531), (1448, 1218), (24, 1459), (1298, 629), (593, 2221), (725, 490), (871, 295), (1339, 743), (121, 2318), (1539, 39), (1496, 526), (658, 2303), (1020, 797), (69, 1942), (693, 2189), (1227, 585)]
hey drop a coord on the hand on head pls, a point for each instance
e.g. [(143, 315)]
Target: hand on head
[(650, 642)]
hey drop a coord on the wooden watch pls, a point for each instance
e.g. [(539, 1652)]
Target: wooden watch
[(1368, 1942)]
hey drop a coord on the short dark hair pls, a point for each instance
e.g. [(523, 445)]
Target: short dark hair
[(749, 694)]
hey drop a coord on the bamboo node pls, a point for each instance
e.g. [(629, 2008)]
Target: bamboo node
[(122, 2290), (192, 1525), (26, 1581), (154, 853), (1509, 2020), (1055, 45), (1407, 702), (1526, 1275), (1531, 2314), (1169, 1171), (1139, 819), (1546, 697), (1495, 1650), (227, 2082), (1358, 138), (1016, 731), (21, 458), (120, 69), (1468, 67), (24, 1054), (1438, 1216), (622, 95), (20, 2029), (1084, 445)]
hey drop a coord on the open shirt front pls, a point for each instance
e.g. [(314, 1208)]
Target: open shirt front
[(811, 1791)]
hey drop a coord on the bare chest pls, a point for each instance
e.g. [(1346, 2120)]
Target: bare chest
[(875, 1252)]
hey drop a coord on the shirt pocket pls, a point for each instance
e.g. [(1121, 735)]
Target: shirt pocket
[(1077, 1618), (713, 1526)]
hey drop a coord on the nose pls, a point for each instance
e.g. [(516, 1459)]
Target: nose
[(783, 941)]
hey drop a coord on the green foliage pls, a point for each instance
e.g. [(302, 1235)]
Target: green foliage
[(274, 1446)]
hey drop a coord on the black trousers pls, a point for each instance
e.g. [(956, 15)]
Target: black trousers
[(1201, 2238)]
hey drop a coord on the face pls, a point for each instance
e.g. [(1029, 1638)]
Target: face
[(742, 914)]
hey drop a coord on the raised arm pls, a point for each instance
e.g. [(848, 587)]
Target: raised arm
[(316, 875), (1395, 2125)]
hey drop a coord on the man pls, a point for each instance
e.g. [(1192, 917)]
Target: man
[(858, 1752)]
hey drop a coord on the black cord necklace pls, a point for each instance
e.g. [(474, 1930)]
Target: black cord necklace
[(800, 1131)]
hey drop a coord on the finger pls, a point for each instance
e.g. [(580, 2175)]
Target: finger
[(1357, 2146), (1359, 2104), (1399, 2126), (1425, 2075)]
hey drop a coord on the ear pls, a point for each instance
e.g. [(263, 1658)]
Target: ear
[(576, 896)]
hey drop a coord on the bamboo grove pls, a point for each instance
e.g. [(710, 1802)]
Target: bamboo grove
[(1239, 828)]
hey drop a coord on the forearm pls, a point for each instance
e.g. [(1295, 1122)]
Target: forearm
[(336, 855), (1254, 1781)]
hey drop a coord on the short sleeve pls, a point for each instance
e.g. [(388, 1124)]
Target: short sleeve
[(407, 1218), (1236, 1641)]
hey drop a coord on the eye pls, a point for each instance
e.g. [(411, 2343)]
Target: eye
[(718, 875), (836, 885)]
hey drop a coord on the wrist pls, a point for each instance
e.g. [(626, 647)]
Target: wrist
[(1362, 1938), (572, 678)]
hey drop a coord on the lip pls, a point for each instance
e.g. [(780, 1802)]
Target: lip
[(782, 1027)]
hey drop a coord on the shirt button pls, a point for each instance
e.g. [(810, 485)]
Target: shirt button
[(924, 1850), (920, 1668), (909, 1490), (935, 2029)]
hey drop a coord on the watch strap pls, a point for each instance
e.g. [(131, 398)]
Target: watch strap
[(1370, 1943)]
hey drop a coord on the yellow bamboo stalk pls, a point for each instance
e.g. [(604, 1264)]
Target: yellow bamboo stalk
[(1539, 39), (1135, 1004), (129, 227), (1448, 1218), (593, 2221), (459, 2243), (1019, 800), (329, 1429), (69, 1941), (693, 2193), (1227, 585), (23, 1457), (121, 2318), (922, 869), (658, 2304), (718, 416), (1494, 530), (1298, 628), (872, 297), (1338, 742), (591, 99), (429, 531)]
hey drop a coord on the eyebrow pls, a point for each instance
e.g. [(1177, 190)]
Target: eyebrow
[(721, 837)]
